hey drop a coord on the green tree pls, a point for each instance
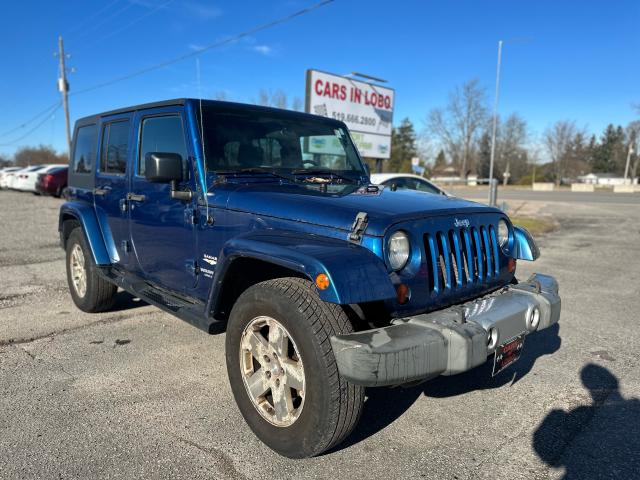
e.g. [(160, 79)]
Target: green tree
[(403, 148), (441, 161), (610, 154), (484, 157)]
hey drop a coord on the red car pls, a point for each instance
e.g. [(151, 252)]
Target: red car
[(53, 182)]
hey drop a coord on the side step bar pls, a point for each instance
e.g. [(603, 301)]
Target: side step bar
[(189, 309)]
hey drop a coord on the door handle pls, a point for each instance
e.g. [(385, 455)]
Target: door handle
[(101, 192), (134, 197)]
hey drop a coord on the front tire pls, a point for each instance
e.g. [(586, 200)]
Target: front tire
[(282, 369), (90, 292)]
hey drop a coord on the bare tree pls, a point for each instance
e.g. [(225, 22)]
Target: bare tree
[(457, 126), (557, 140), (264, 98), (27, 156), (276, 99), (279, 99), (296, 105), (633, 134)]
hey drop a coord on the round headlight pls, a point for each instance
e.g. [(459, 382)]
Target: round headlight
[(503, 232), (399, 250)]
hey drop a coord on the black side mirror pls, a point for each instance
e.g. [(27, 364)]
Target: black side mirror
[(161, 167)]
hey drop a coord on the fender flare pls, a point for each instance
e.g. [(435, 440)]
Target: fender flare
[(356, 274), (86, 216), (525, 247)]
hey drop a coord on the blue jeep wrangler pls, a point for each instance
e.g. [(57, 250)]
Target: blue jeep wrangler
[(264, 221)]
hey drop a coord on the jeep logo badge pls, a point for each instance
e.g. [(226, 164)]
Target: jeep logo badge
[(464, 222)]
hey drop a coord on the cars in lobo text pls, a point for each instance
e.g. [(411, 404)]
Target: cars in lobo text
[(228, 214)]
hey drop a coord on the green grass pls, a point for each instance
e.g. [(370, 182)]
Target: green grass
[(535, 225)]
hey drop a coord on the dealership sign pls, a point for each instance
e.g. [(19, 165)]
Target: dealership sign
[(367, 109)]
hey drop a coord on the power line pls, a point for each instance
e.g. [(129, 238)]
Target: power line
[(13, 142), (130, 24), (54, 107), (100, 11), (104, 20), (200, 51), (32, 119)]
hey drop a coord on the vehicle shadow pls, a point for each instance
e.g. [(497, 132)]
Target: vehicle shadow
[(126, 301), (596, 441), (383, 405)]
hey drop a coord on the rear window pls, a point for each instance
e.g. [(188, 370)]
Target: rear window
[(85, 149), (115, 148)]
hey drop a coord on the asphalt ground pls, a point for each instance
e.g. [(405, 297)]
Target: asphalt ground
[(136, 393)]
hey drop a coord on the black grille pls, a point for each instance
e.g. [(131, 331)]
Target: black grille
[(460, 257)]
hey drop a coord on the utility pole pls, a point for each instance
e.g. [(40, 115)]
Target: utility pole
[(626, 168), (63, 87), (493, 190)]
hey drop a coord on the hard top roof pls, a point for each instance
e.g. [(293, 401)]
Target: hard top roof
[(196, 101)]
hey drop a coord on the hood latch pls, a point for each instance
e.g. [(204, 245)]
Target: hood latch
[(358, 227)]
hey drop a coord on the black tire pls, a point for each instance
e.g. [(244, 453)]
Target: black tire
[(332, 406), (99, 294)]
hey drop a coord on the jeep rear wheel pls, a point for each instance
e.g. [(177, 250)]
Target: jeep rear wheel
[(282, 369), (89, 291)]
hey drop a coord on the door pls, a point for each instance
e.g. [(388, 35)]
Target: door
[(111, 185), (162, 229)]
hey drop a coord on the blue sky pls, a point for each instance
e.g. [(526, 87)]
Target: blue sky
[(580, 61)]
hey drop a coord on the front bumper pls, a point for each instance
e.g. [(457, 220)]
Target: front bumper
[(449, 341)]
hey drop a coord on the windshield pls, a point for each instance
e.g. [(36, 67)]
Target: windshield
[(249, 140)]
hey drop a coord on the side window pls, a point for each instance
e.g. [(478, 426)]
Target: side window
[(84, 151), (400, 183), (426, 187), (115, 147), (161, 134)]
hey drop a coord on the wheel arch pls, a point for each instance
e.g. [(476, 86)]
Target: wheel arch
[(73, 214), (356, 274)]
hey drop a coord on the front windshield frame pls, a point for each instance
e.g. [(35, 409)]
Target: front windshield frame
[(225, 131)]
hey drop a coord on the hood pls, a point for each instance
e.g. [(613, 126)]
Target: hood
[(384, 208)]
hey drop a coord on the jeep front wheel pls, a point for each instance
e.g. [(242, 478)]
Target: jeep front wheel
[(282, 369), (89, 291)]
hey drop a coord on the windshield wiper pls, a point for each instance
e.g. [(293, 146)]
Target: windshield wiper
[(290, 178), (322, 171)]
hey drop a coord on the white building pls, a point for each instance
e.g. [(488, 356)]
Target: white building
[(605, 179)]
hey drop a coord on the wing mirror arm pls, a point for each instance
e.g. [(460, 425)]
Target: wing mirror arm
[(164, 167), (184, 195)]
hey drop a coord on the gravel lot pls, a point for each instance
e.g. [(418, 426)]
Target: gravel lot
[(136, 393)]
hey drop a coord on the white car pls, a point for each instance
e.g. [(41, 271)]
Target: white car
[(406, 181), (26, 179), (7, 173), (13, 177)]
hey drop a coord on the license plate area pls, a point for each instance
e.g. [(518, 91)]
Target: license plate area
[(507, 353)]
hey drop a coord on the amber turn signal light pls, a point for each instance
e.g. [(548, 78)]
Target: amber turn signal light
[(512, 265), (403, 293), (322, 281)]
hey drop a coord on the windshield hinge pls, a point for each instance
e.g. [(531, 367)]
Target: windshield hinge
[(358, 227)]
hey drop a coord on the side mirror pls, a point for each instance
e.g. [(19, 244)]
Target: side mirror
[(163, 167)]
